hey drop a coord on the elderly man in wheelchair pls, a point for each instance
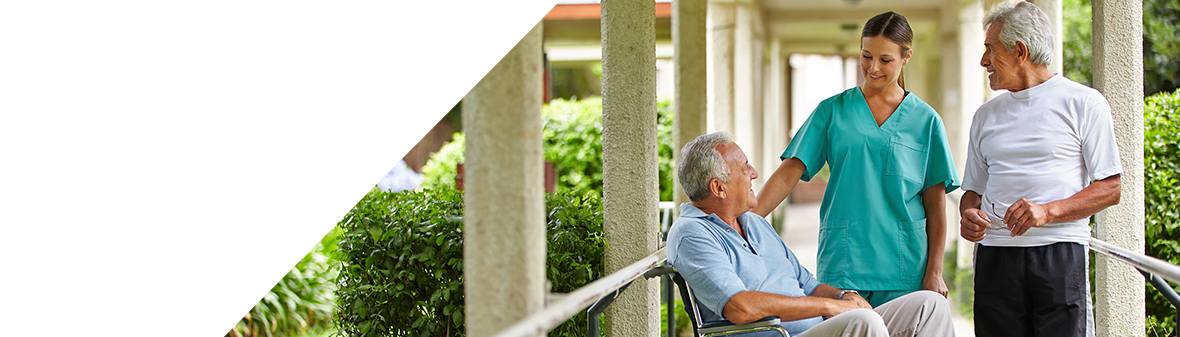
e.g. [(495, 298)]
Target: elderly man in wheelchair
[(740, 270)]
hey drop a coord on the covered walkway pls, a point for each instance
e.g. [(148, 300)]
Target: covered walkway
[(730, 71)]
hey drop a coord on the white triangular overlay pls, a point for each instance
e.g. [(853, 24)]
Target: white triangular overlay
[(164, 163)]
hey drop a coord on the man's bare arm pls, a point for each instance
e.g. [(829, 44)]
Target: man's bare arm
[(749, 306), (1025, 214)]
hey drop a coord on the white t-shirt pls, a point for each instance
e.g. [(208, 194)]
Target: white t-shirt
[(1044, 143)]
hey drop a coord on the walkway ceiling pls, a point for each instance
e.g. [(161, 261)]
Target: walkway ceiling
[(830, 27), (823, 26)]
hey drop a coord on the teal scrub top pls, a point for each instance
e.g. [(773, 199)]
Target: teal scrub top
[(873, 226)]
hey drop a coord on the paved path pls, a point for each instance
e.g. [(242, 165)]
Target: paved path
[(801, 234)]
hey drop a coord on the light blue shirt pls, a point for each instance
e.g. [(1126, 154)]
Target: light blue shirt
[(717, 263)]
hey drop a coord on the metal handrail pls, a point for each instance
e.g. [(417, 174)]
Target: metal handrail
[(1143, 262), (542, 321), (1152, 269)]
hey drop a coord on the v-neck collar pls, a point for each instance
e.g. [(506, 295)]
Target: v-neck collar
[(898, 113)]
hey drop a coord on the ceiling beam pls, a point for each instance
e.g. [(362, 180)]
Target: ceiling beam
[(855, 15)]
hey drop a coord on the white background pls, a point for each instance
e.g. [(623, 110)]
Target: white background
[(164, 163)]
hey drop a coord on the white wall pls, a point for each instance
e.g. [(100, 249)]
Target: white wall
[(813, 79)]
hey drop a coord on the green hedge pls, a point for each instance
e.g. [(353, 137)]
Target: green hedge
[(402, 272), (572, 133), (1161, 157)]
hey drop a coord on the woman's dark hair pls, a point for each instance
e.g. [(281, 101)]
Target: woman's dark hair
[(894, 27)]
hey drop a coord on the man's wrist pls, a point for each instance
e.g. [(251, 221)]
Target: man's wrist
[(1052, 211), (846, 291)]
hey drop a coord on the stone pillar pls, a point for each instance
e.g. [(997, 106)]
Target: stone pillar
[(504, 206), (972, 77), (956, 120), (743, 84), (688, 41), (1053, 8), (773, 114), (722, 17), (951, 110), (774, 120), (629, 160), (1118, 74), (759, 117)]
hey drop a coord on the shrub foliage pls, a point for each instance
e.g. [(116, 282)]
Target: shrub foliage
[(402, 272), (439, 171), (1161, 156), (402, 254)]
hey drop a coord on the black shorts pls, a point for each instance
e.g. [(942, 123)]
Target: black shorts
[(1032, 291)]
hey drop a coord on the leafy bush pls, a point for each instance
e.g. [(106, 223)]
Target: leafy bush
[(1078, 34), (439, 171), (1161, 44), (575, 249), (1161, 156), (403, 261), (402, 272), (665, 147), (301, 302), (572, 133), (683, 323)]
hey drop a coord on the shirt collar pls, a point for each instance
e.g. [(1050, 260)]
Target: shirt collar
[(1030, 92), (690, 211)]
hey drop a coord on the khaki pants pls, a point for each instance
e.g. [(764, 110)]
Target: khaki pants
[(919, 314)]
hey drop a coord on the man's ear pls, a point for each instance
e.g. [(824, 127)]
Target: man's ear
[(1020, 52), (716, 188)]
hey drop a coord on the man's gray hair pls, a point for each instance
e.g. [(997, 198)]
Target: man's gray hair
[(700, 162), (1024, 22)]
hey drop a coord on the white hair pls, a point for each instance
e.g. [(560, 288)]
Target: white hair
[(700, 162), (1024, 22)]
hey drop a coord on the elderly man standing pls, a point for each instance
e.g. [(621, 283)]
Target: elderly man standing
[(1042, 160), (739, 267)]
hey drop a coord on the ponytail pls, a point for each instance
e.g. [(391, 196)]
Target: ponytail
[(901, 79)]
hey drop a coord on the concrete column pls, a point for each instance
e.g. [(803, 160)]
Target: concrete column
[(504, 206), (722, 17), (629, 160), (972, 77), (743, 84), (688, 41), (956, 120), (1118, 74), (951, 109), (1053, 8), (759, 118), (774, 120)]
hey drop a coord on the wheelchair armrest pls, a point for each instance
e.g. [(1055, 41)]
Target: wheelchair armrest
[(659, 271), (726, 326)]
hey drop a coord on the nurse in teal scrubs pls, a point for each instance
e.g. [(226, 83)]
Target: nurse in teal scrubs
[(883, 219)]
